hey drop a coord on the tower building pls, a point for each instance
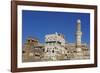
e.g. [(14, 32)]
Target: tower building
[(55, 46), (79, 54), (78, 34)]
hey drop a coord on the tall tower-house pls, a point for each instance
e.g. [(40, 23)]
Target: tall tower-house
[(78, 34), (54, 47)]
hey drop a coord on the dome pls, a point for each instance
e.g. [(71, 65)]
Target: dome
[(78, 21)]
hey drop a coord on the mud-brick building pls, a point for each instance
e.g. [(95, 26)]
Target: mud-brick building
[(32, 50)]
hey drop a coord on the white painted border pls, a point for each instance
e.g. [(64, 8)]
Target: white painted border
[(53, 63)]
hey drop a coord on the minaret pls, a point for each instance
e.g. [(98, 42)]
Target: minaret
[(78, 34)]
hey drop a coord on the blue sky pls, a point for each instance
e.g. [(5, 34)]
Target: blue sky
[(39, 23)]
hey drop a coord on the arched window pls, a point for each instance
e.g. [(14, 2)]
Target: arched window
[(47, 50)]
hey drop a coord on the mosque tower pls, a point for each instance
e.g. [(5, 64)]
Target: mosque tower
[(78, 34)]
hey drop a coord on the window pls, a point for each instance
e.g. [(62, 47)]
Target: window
[(56, 48), (37, 55), (23, 51), (43, 50), (32, 40), (52, 51), (47, 50), (65, 54)]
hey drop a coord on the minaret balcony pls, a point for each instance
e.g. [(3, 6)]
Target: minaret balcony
[(78, 33)]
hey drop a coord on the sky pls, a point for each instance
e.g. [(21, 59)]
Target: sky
[(40, 23)]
